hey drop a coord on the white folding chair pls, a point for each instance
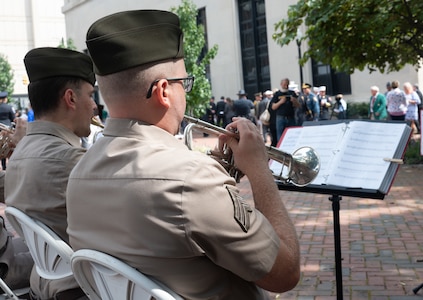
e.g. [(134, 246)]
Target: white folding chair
[(8, 293), (104, 277), (50, 253)]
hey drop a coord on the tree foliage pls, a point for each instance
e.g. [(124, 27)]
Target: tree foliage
[(68, 45), (382, 35), (195, 60), (6, 76)]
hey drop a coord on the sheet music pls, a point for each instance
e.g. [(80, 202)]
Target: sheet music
[(351, 154), (325, 141), (362, 164)]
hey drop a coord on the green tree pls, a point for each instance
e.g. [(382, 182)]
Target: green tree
[(382, 35), (68, 45), (195, 61), (6, 75)]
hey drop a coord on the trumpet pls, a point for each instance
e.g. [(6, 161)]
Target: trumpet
[(6, 144), (96, 122), (302, 166)]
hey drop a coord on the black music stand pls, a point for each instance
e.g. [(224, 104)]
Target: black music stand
[(417, 288), (337, 234), (337, 192)]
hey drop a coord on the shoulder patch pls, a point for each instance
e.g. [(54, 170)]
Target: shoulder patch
[(241, 210)]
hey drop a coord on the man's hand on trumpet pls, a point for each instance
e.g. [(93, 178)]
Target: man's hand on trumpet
[(251, 157), (20, 130), (247, 146), (9, 138)]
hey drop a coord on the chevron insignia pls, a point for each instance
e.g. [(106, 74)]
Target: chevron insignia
[(241, 209)]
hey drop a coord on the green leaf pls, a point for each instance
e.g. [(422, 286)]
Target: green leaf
[(6, 75), (195, 63), (382, 35)]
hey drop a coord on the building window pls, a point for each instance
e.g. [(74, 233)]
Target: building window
[(254, 51), (335, 82), (201, 20)]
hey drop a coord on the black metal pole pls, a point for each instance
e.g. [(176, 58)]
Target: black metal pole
[(299, 58), (337, 234)]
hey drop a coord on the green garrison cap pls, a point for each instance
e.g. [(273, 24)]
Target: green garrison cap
[(47, 62), (132, 38)]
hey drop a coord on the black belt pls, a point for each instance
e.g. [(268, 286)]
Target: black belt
[(72, 294), (285, 117)]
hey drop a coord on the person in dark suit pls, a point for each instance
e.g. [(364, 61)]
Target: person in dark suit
[(244, 106), (220, 112), (211, 111)]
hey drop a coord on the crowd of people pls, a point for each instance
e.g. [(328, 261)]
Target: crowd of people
[(287, 105), (397, 104)]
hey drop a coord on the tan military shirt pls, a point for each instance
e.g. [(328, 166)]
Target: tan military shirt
[(36, 180), (142, 196)]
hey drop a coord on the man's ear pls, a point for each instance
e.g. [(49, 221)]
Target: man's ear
[(163, 93), (69, 98)]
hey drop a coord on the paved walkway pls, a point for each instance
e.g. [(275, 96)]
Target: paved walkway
[(381, 242)]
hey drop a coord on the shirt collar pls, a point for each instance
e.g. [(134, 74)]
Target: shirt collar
[(54, 129)]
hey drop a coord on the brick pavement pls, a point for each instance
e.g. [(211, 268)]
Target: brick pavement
[(381, 242)]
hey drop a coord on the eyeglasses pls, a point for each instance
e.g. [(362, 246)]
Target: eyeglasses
[(187, 82)]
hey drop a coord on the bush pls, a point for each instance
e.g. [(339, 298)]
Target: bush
[(358, 110), (412, 153)]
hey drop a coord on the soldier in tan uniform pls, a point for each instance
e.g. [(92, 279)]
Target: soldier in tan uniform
[(139, 194), (15, 260), (60, 91)]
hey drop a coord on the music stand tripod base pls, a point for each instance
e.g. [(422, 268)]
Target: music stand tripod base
[(337, 235), (417, 289)]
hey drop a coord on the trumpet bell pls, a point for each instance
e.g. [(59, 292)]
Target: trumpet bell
[(188, 139), (304, 167)]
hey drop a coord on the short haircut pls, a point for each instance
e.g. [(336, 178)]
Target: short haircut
[(44, 95)]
